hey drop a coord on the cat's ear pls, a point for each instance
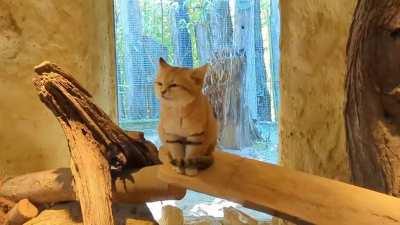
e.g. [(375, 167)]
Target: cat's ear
[(162, 63), (199, 74)]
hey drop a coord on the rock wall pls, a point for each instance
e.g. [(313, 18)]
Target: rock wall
[(78, 35), (314, 36)]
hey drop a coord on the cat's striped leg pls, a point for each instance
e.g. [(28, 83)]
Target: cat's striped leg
[(176, 151), (195, 157)]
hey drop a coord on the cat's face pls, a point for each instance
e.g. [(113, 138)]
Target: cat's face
[(177, 86)]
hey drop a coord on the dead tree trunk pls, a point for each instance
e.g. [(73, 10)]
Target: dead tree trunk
[(372, 110), (96, 144)]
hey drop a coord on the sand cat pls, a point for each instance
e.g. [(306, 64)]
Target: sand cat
[(187, 128)]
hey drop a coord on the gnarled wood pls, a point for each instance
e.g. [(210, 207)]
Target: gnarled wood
[(54, 186), (289, 194), (96, 144), (373, 102)]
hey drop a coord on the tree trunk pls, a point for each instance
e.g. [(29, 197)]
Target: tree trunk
[(274, 33), (221, 30), (225, 77), (248, 38), (372, 110), (180, 35), (203, 42), (263, 96)]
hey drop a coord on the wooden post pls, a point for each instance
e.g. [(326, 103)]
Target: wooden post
[(372, 110)]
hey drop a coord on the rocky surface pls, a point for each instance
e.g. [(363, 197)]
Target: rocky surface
[(312, 130), (77, 35), (172, 215), (314, 36)]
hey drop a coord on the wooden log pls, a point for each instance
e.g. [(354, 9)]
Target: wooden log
[(69, 214), (22, 212), (299, 197), (96, 144), (54, 186)]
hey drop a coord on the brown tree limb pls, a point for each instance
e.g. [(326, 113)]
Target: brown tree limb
[(96, 144), (299, 197), (53, 186)]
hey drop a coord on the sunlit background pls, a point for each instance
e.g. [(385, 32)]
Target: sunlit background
[(239, 39)]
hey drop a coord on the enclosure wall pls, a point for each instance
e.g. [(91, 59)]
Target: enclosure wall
[(314, 35), (78, 35)]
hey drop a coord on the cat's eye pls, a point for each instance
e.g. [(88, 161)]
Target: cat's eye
[(158, 83), (173, 85)]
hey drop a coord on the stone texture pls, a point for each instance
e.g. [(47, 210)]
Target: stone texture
[(233, 216), (78, 35), (314, 36), (203, 220)]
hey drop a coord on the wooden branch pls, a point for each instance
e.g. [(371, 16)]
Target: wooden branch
[(22, 212), (96, 144), (64, 96), (289, 194), (54, 186), (69, 214)]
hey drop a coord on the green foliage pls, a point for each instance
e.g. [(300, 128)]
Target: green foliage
[(157, 21), (156, 16)]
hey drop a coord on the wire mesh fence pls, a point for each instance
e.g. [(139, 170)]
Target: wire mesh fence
[(240, 41)]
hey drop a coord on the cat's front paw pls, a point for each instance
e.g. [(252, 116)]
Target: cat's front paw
[(178, 165), (179, 170), (191, 172)]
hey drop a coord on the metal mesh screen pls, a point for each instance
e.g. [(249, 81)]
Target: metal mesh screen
[(240, 41), (193, 32)]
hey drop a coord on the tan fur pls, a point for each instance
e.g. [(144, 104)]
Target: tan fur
[(187, 125)]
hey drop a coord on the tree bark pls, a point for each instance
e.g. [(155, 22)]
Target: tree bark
[(180, 35), (53, 186), (96, 144), (372, 111), (225, 77)]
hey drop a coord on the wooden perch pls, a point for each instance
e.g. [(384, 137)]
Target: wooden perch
[(96, 144), (22, 212), (54, 186), (289, 194)]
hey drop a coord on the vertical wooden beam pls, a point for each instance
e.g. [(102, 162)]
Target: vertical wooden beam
[(372, 110)]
